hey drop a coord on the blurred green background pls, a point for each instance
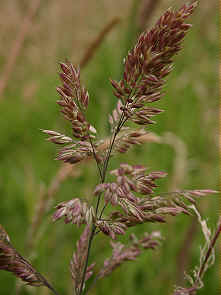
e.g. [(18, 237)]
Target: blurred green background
[(188, 129)]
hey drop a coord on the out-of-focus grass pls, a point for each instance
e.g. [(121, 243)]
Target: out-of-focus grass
[(27, 161)]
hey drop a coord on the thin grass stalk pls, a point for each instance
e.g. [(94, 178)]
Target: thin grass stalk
[(18, 44), (145, 14), (203, 266), (93, 230), (211, 247), (95, 44)]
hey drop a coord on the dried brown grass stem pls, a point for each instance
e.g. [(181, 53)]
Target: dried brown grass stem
[(97, 42), (18, 44), (147, 9)]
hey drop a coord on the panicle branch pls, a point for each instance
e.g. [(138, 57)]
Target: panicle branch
[(121, 253), (126, 138), (133, 192), (74, 100), (78, 261), (74, 211)]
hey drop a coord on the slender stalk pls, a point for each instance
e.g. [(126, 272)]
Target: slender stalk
[(52, 289), (18, 44), (211, 246), (46, 284), (98, 41), (103, 176), (107, 158), (102, 211), (105, 167), (87, 258), (121, 122), (192, 290), (95, 157)]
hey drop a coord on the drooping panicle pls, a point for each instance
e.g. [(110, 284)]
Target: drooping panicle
[(12, 261), (148, 63)]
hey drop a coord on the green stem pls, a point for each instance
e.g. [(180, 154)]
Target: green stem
[(95, 157), (103, 176), (52, 290), (87, 258), (121, 122), (107, 158), (120, 125), (46, 284)]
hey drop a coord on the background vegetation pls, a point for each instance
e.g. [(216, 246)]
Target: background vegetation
[(187, 146)]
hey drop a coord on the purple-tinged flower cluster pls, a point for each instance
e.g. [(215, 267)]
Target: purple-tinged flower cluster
[(111, 228), (12, 261), (75, 153), (130, 180), (191, 195), (74, 211), (179, 198), (57, 137), (172, 210), (133, 191), (131, 220), (121, 253), (148, 63), (74, 100), (126, 138)]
